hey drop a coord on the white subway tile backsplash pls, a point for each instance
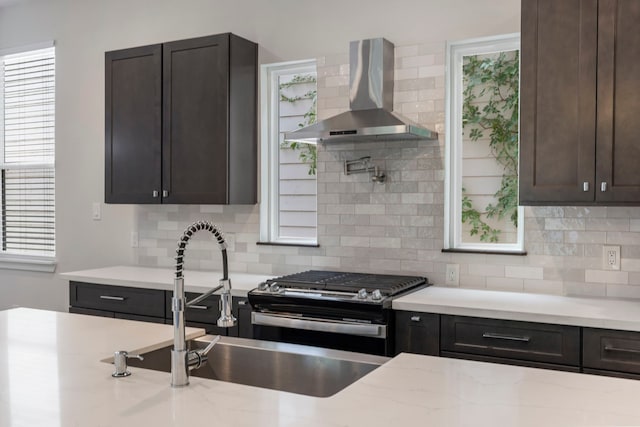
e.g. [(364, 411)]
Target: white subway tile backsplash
[(602, 276), (623, 238), (564, 224), (622, 291), (551, 287), (486, 270), (505, 284), (431, 71), (523, 272)]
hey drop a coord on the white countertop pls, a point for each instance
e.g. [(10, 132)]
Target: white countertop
[(162, 278), (588, 312), (51, 375)]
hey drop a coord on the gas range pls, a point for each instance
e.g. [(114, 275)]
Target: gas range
[(345, 311)]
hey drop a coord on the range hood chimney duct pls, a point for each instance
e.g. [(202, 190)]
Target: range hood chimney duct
[(371, 78)]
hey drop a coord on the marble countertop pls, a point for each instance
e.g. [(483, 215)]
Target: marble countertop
[(162, 278), (588, 312), (52, 375)]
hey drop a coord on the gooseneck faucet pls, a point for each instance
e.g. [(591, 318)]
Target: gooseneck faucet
[(183, 360)]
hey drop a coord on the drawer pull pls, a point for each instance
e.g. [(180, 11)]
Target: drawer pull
[(112, 298), (622, 350), (242, 302), (521, 338), (199, 307), (415, 318)]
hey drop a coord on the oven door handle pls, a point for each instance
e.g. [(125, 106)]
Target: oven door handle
[(336, 327)]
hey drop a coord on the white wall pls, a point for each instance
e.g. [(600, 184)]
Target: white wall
[(285, 29)]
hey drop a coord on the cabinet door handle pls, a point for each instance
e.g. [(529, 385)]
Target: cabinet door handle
[(415, 318), (621, 350), (199, 307), (165, 193), (154, 193), (603, 186), (109, 297), (522, 338), (585, 186)]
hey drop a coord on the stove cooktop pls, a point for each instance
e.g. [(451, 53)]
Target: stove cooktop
[(388, 285)]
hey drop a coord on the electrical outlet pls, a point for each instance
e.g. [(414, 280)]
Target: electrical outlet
[(611, 257), (134, 239), (96, 215), (452, 275)]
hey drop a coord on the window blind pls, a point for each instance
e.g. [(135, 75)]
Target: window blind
[(28, 152)]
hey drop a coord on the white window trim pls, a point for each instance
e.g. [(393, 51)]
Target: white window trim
[(270, 177), (453, 177), (46, 264)]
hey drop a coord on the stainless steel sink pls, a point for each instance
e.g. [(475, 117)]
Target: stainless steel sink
[(293, 368)]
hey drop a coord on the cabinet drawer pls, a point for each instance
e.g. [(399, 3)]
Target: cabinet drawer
[(417, 333), (119, 299), (536, 342), (611, 350), (206, 311)]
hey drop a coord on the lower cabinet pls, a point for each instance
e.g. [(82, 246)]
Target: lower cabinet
[(117, 301), (154, 305), (613, 353), (417, 333), (531, 344), (242, 312)]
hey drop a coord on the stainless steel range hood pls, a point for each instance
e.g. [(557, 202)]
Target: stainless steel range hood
[(371, 102)]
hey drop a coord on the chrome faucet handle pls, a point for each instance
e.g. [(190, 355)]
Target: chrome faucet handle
[(198, 358), (120, 362)]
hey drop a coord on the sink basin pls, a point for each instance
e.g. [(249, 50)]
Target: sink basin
[(311, 371)]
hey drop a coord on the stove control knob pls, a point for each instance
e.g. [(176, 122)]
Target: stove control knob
[(274, 287), (362, 294), (263, 286), (376, 295)]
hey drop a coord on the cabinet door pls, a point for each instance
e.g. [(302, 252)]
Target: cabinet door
[(510, 340), (618, 153), (118, 299), (133, 99), (557, 101), (195, 120), (607, 350), (417, 333)]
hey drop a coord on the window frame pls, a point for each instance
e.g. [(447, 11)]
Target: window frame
[(455, 51), (9, 260), (270, 151)]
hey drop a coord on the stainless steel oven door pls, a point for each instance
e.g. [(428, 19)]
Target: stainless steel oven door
[(320, 325), (340, 335)]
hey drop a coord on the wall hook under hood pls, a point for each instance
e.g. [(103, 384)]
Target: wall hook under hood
[(371, 79)]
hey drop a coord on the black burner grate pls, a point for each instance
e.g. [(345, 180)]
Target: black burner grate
[(350, 282)]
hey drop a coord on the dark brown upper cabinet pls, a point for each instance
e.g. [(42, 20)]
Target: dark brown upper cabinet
[(181, 122), (580, 75)]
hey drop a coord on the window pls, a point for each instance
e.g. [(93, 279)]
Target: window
[(289, 197), (482, 212), (27, 147)]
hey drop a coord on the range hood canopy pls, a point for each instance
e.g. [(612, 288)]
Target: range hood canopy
[(370, 117)]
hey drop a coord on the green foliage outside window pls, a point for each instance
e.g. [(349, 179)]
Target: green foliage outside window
[(307, 153), (497, 78)]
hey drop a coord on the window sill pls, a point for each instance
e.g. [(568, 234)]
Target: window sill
[(485, 252), (303, 245), (25, 263)]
